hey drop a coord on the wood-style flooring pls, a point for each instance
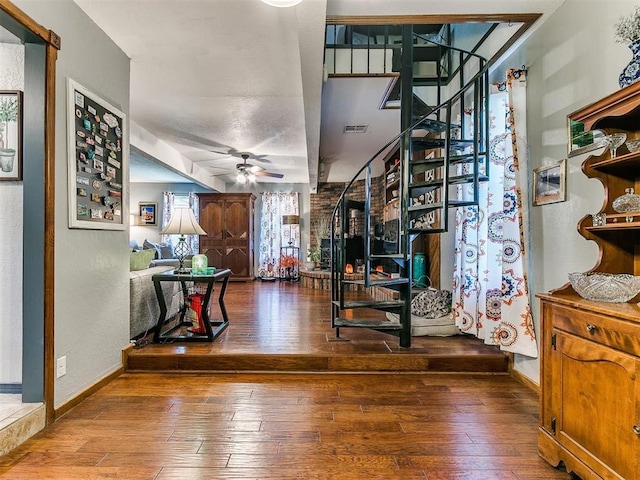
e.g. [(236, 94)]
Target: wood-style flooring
[(283, 326), (183, 426), (385, 415)]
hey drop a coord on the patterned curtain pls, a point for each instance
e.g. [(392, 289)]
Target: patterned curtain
[(275, 235), (168, 203), (490, 292)]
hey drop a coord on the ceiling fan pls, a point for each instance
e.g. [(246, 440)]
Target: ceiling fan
[(247, 172)]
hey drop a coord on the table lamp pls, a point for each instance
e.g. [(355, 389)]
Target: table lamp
[(183, 222)]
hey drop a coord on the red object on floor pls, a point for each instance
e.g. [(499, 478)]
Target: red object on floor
[(194, 312)]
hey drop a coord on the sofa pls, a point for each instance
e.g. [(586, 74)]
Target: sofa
[(144, 308)]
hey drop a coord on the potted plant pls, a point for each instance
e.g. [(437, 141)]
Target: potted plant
[(314, 255), (8, 113)]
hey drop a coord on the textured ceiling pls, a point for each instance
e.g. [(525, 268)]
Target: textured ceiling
[(228, 76)]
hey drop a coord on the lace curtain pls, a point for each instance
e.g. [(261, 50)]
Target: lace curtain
[(170, 201), (275, 235), (490, 292)]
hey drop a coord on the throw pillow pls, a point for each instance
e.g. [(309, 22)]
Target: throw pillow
[(166, 250), (141, 260), (147, 245)]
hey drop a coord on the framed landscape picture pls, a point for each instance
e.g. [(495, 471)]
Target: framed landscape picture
[(97, 158), (10, 135), (148, 214), (549, 183)]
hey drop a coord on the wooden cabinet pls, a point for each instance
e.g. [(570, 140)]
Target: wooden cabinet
[(590, 368), (590, 404), (228, 220)]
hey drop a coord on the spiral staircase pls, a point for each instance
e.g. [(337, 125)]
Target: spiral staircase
[(442, 160)]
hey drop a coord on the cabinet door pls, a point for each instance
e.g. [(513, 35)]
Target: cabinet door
[(598, 405), (212, 221)]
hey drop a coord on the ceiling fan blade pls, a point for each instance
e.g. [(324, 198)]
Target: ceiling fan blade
[(268, 174)]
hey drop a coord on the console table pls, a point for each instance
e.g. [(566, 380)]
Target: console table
[(212, 328)]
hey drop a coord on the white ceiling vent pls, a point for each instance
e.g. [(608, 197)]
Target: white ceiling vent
[(355, 128)]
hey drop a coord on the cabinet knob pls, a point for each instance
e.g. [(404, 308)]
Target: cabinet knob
[(591, 328), (636, 429)]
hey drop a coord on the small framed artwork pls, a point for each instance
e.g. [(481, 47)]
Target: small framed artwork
[(148, 214), (10, 135), (549, 183)]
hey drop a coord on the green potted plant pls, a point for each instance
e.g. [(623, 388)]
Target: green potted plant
[(313, 256), (8, 113)]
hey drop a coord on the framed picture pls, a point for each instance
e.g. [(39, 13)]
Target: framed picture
[(148, 214), (97, 161), (549, 183), (10, 135), (580, 141)]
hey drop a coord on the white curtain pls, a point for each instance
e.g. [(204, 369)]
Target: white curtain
[(490, 292), (170, 201), (274, 234)]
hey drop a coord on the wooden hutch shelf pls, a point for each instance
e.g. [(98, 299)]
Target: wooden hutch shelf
[(590, 368)]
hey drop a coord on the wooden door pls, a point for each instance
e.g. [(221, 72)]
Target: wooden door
[(212, 221), (598, 405)]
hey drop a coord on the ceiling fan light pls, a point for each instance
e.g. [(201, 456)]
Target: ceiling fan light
[(282, 3), (251, 177), (240, 178)]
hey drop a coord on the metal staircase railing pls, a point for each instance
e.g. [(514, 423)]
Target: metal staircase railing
[(441, 153)]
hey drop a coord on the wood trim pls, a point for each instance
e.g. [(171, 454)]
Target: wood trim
[(53, 43), (618, 103), (523, 379), (125, 356), (527, 18), (27, 22), (49, 229), (75, 401)]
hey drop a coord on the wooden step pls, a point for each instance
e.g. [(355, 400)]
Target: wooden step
[(379, 283), (386, 305), (420, 144), (364, 323)]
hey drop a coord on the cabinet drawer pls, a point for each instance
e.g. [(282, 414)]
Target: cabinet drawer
[(610, 331)]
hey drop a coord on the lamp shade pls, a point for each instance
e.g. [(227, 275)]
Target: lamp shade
[(282, 3), (290, 219), (183, 222)]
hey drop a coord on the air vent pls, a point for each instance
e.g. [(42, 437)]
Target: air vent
[(355, 128)]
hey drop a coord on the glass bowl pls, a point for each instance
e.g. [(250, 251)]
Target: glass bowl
[(629, 202), (633, 145), (613, 141), (605, 287)]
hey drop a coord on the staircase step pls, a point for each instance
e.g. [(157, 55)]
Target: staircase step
[(377, 304), (427, 230), (390, 255), (431, 143), (379, 283), (426, 164), (376, 325), (460, 179), (416, 211)]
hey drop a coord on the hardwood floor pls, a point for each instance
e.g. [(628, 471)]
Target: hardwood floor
[(283, 326), (313, 424), (292, 426)]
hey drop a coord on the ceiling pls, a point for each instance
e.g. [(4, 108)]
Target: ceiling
[(218, 78)]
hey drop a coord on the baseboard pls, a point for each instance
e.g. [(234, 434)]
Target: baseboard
[(65, 407), (13, 388), (526, 381)]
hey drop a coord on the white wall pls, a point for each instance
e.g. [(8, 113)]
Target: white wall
[(572, 61), (91, 266), (152, 193), (304, 199), (11, 78)]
